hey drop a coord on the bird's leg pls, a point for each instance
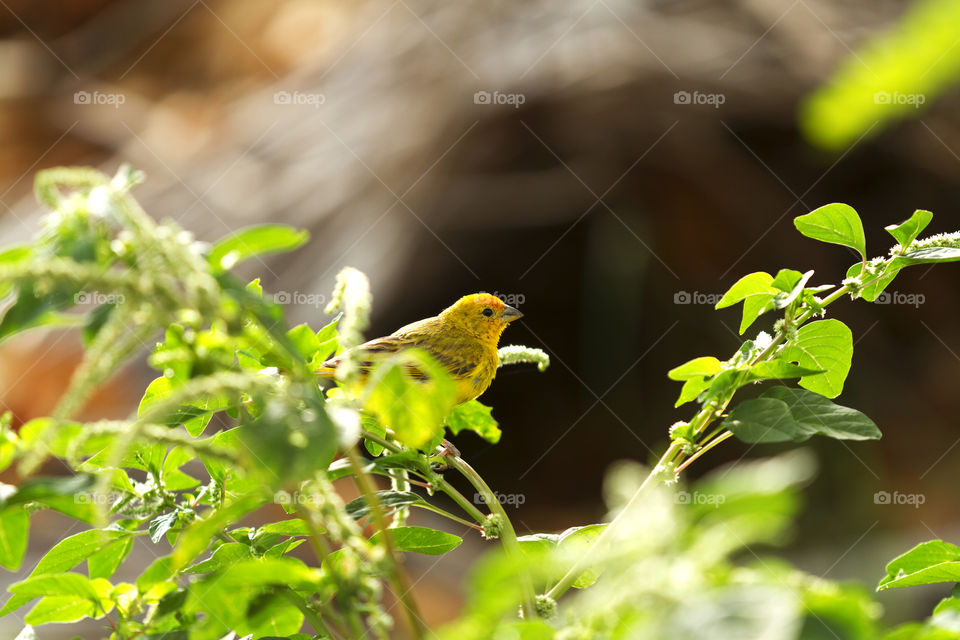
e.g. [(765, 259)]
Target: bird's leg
[(445, 449)]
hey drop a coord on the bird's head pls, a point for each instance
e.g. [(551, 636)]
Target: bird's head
[(482, 314)]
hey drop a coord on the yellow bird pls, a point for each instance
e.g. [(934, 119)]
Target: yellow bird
[(463, 339)]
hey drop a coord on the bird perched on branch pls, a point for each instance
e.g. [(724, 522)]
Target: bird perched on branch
[(463, 339)]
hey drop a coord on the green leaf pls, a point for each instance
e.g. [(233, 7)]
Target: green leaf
[(696, 368), (57, 493), (229, 440), (389, 500), (420, 540), (825, 417), (474, 416), (929, 255), (62, 594), (696, 375), (784, 414), (329, 341), (14, 532), (927, 563), (225, 555), (908, 230), (824, 345), (691, 389), (538, 544), (291, 527), (786, 280), (576, 541), (55, 584), (756, 292), (173, 478), (254, 241), (61, 609), (196, 537), (194, 416), (778, 370), (764, 420), (791, 284), (305, 341), (283, 548), (236, 598), (66, 555), (836, 223), (370, 424), (104, 563), (158, 571), (949, 604), (877, 283), (32, 310), (414, 408), (270, 616), (161, 524)]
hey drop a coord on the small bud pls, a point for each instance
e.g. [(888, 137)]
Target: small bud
[(546, 607), (493, 527)]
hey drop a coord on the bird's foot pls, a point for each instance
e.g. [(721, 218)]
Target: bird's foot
[(445, 449)]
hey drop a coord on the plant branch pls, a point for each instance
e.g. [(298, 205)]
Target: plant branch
[(702, 450), (508, 536), (398, 579), (583, 563), (315, 620)]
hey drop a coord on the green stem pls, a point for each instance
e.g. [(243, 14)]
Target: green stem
[(583, 563), (440, 512), (508, 535), (400, 482), (321, 549), (702, 450), (315, 620), (461, 500), (398, 579), (435, 479)]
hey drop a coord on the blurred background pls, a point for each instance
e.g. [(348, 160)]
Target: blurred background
[(609, 166)]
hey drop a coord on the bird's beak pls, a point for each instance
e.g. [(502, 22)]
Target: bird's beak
[(510, 314)]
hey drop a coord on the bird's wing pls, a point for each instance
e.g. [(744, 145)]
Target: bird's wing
[(417, 334), (376, 348), (381, 347)]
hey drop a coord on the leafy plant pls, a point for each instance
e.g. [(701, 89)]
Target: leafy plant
[(236, 420)]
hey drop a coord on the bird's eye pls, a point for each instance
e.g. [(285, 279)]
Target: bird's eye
[(487, 312)]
